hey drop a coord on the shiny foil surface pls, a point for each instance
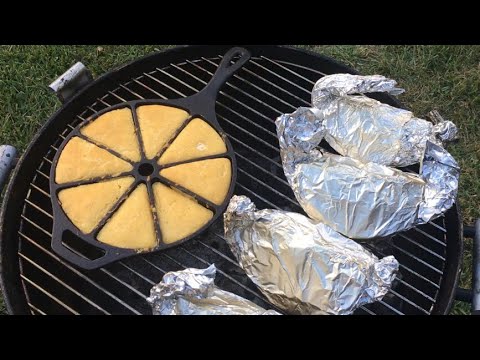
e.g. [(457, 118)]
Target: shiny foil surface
[(362, 200), (302, 266), (193, 292), (368, 130)]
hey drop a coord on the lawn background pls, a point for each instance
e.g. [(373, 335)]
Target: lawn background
[(446, 78)]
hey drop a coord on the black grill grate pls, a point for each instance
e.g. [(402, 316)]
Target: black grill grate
[(246, 110)]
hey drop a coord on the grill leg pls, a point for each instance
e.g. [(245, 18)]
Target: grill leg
[(476, 270)]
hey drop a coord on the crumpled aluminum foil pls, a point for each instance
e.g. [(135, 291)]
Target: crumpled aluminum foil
[(368, 130), (301, 266), (362, 200), (192, 292)]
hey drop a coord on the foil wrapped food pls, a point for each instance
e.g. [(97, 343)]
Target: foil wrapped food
[(193, 292), (301, 266), (368, 130), (362, 200)]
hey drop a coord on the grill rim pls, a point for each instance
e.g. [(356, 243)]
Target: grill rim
[(13, 203)]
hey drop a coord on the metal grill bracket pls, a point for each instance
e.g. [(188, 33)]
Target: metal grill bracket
[(71, 81), (7, 161)]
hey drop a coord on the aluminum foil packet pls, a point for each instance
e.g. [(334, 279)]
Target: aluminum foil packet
[(368, 130), (301, 266), (193, 292), (362, 200)]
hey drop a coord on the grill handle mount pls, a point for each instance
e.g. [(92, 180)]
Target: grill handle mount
[(71, 81), (8, 159), (476, 270)]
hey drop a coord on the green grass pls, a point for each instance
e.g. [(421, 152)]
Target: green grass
[(443, 77)]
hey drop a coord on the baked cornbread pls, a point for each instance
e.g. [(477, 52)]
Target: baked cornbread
[(158, 124), (115, 130), (86, 208), (207, 178), (82, 160), (131, 226), (173, 208), (198, 139), (103, 197)]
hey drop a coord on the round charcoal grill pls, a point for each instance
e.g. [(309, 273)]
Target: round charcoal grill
[(276, 80)]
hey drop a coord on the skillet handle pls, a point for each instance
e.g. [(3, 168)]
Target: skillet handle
[(225, 70), (83, 262)]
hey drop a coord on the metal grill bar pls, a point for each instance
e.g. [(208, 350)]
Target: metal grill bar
[(273, 84), (256, 87), (118, 97), (437, 226), (398, 312), (421, 247), (41, 173), (303, 67), (63, 284), (255, 152), (367, 310), (61, 303), (258, 196), (36, 309), (294, 202), (281, 77), (415, 289), (404, 267), (38, 208), (78, 273), (137, 273), (429, 236), (123, 283), (33, 223), (48, 160), (416, 258), (289, 70), (153, 265), (263, 170), (39, 190), (408, 301)]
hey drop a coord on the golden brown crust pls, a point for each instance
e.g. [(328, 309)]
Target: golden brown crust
[(198, 139), (115, 130), (179, 215), (158, 124), (208, 178), (85, 208), (131, 226), (82, 160)]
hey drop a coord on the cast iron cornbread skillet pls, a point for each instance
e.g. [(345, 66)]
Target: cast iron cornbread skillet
[(144, 173)]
